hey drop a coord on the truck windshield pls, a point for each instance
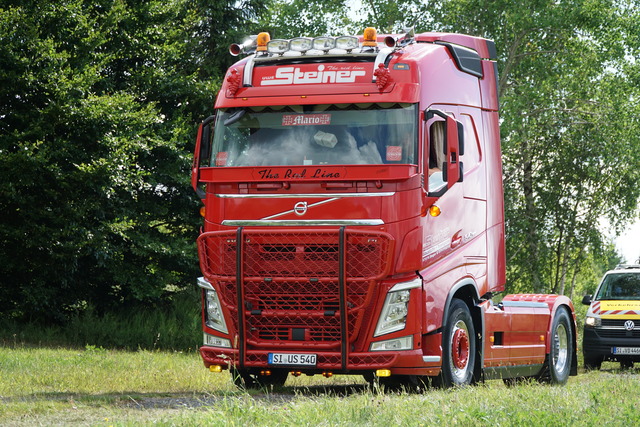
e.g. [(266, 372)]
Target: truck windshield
[(316, 135), (623, 286)]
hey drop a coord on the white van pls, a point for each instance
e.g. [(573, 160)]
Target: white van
[(612, 325)]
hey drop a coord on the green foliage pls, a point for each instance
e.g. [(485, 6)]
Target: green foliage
[(98, 106), (94, 168)]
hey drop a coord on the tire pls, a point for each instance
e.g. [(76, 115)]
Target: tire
[(458, 347), (245, 380), (592, 363), (558, 363), (626, 364)]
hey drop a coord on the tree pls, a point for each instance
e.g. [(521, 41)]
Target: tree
[(99, 103), (570, 103)]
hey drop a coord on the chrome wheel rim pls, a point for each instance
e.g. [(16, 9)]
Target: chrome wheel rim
[(561, 348), (459, 351)]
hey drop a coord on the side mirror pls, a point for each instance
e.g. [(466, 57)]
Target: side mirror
[(202, 151), (586, 300)]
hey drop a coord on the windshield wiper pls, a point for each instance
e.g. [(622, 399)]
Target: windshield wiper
[(234, 117)]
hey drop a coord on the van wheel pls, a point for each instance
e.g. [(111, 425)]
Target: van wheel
[(626, 364), (592, 363), (558, 363), (458, 346)]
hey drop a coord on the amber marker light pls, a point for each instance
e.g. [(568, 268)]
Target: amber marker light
[(203, 210), (434, 211), (370, 36), (261, 41)]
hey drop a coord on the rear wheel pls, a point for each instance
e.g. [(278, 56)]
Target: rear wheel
[(458, 346), (558, 364)]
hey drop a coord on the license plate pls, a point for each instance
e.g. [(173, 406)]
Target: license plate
[(292, 359), (626, 350)]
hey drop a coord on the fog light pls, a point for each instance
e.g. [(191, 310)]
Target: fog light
[(404, 343), (214, 341), (383, 373)]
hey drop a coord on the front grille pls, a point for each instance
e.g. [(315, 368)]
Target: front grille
[(290, 282), (618, 333), (618, 323)]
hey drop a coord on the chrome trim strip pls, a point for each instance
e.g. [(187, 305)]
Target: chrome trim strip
[(292, 210), (303, 222), (247, 76), (428, 359), (303, 196), (404, 286), (527, 304), (204, 284)]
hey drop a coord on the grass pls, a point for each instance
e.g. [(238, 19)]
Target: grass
[(144, 369), (94, 386), (173, 325)]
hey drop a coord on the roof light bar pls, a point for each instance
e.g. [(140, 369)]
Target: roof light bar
[(347, 42), (300, 44), (324, 43), (279, 46)]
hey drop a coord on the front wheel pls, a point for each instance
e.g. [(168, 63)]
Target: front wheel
[(458, 346)]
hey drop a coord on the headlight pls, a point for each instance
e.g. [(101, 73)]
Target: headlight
[(396, 307), (215, 318), (404, 343), (592, 322)]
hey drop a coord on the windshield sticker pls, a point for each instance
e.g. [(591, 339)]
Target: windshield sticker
[(306, 119), (394, 153), (221, 158)]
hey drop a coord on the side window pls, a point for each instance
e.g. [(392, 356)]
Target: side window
[(436, 157), (471, 151)]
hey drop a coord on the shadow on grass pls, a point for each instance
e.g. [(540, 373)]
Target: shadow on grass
[(181, 400)]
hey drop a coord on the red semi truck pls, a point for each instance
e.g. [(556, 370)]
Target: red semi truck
[(353, 218)]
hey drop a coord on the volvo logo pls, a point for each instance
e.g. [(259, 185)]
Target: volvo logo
[(300, 208), (629, 325)]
